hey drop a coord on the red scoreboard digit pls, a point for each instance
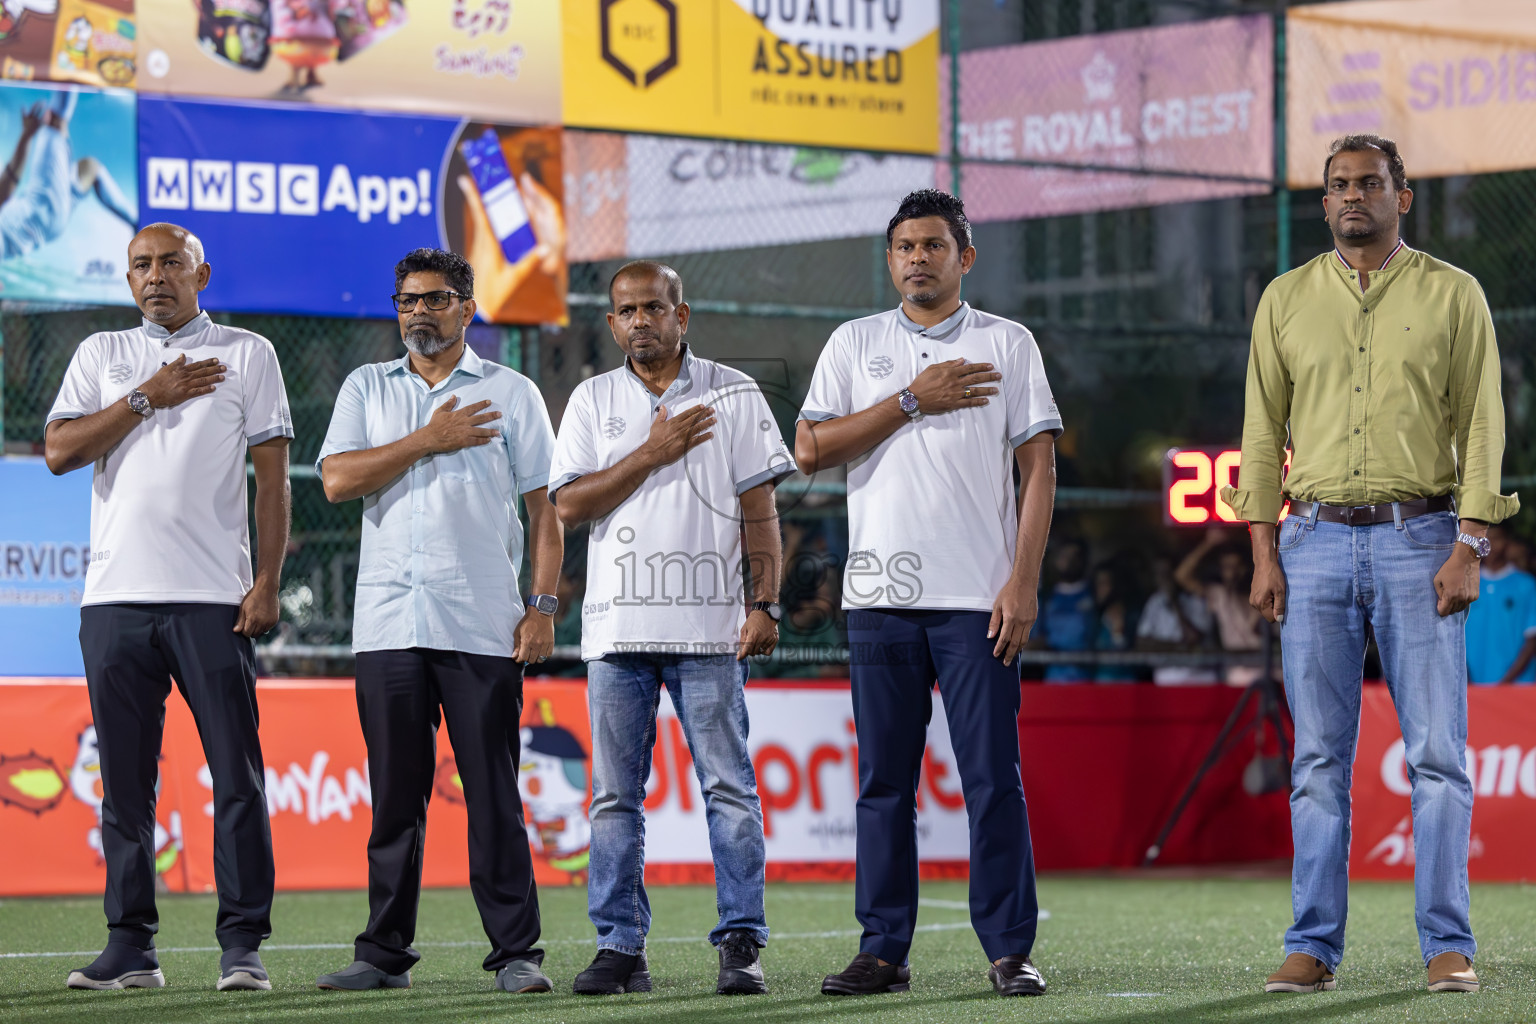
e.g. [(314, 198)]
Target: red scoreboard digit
[(1192, 483)]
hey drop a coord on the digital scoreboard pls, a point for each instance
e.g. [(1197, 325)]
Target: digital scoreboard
[(1192, 483)]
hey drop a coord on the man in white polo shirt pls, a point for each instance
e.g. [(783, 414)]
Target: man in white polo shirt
[(440, 445), (166, 412), (671, 458), (931, 405)]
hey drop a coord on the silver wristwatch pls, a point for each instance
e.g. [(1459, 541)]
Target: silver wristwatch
[(138, 401), (908, 403), (1480, 545)]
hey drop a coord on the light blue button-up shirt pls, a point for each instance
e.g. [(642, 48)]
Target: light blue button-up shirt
[(442, 542)]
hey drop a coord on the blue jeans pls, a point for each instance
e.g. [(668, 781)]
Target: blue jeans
[(623, 691), (1339, 578)]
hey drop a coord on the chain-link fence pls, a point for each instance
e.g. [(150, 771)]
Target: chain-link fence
[(1142, 312)]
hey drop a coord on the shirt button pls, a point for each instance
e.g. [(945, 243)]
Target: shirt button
[(1365, 309), (1362, 348), (418, 507), (1357, 390), (421, 548), (1357, 430), (1357, 472)]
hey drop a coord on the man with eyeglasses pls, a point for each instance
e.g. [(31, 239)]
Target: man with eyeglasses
[(439, 445)]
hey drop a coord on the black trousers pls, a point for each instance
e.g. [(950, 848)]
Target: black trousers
[(398, 696), (132, 653), (895, 656)]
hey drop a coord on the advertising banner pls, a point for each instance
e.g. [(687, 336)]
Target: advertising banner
[(646, 195), (1196, 99), (45, 548), (1452, 83), (319, 798), (1501, 762), (87, 41), (307, 210), (858, 74), (477, 58), (68, 195)]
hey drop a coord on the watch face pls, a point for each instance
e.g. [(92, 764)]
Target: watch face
[(546, 603), (908, 402)]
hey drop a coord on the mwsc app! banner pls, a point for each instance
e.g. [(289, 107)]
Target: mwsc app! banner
[(852, 74), (307, 211)]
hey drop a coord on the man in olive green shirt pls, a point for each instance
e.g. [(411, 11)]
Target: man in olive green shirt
[(1379, 365)]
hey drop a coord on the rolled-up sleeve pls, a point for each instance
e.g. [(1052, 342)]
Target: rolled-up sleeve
[(1477, 412), (1266, 413)]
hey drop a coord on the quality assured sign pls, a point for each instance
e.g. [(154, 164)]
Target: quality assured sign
[(854, 74)]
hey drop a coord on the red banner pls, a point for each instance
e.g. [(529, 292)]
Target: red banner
[(1501, 760)]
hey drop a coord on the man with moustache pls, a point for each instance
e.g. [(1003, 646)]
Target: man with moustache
[(1379, 364), (439, 445), (943, 569), (671, 458), (167, 412)]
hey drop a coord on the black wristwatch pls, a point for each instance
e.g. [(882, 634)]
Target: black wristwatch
[(771, 607)]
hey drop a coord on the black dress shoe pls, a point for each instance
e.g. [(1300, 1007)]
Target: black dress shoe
[(741, 972), (865, 977), (613, 973), (1016, 976), (120, 966)]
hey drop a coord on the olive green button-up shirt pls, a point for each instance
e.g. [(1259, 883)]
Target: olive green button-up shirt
[(1389, 394)]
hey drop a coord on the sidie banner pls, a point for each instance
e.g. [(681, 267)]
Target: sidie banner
[(856, 74), (481, 58), (1450, 82)]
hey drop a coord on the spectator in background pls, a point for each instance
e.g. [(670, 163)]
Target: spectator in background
[(1117, 622), (1501, 624), (1068, 619), (1519, 552), (1174, 620), (1237, 621)]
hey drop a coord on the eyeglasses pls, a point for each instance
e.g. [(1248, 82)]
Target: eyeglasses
[(406, 301)]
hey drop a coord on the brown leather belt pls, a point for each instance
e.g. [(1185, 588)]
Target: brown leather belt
[(1365, 515)]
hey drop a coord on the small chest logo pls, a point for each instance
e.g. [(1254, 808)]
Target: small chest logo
[(614, 427), (119, 373), (881, 367)]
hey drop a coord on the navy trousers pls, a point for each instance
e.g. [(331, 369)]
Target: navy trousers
[(895, 657)]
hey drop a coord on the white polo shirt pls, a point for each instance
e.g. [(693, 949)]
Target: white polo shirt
[(932, 513), (664, 568), (168, 503)]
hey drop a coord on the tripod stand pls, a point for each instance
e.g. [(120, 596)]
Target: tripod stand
[(1270, 695)]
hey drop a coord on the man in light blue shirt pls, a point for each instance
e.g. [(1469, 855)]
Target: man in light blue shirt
[(1501, 624), (439, 445)]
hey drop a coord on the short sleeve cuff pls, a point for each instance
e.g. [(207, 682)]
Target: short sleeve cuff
[(1254, 506), (532, 483), (771, 473), (64, 414), (817, 415), (281, 430), (1485, 505), (560, 481), (1053, 425)]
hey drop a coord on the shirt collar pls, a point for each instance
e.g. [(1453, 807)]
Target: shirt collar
[(681, 384), (469, 363), (942, 329), (1390, 256), (196, 325)]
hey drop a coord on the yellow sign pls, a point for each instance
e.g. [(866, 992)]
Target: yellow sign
[(852, 74), (490, 59), (1452, 83)]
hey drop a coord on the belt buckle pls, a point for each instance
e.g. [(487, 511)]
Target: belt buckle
[(1349, 515)]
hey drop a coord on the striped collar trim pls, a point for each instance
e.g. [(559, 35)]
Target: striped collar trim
[(1399, 248)]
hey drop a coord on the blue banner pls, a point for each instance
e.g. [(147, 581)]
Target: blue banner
[(300, 210), (45, 547)]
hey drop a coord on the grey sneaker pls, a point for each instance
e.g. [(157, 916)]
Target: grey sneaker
[(523, 976), (361, 976), (240, 967), (119, 966)]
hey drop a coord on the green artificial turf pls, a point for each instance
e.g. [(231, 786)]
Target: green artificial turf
[(1123, 950)]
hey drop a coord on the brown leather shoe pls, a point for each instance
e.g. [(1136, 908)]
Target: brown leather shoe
[(1301, 972), (1452, 972)]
